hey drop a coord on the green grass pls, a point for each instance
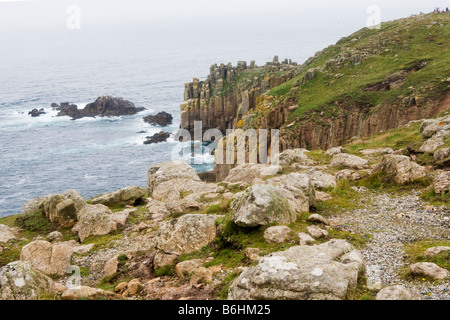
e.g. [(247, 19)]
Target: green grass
[(405, 47), (164, 271), (344, 199), (436, 199), (384, 182), (415, 253)]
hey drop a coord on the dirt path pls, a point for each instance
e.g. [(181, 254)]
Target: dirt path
[(394, 221)]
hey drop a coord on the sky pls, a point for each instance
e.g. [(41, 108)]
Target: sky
[(45, 13)]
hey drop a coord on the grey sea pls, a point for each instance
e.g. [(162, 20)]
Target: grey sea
[(146, 63)]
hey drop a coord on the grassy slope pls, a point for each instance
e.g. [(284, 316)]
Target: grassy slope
[(398, 44)]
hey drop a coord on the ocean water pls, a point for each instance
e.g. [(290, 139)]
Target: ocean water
[(144, 62)]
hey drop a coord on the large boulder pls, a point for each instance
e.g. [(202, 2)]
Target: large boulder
[(432, 144), (349, 161), (167, 171), (321, 180), (159, 137), (187, 234), (95, 220), (122, 197), (398, 292), (51, 259), (439, 126), (20, 281), (401, 168), (277, 234), (262, 205), (249, 174), (441, 154), (441, 184), (429, 269), (322, 272), (6, 234), (88, 293), (292, 156), (62, 209), (34, 205), (298, 189)]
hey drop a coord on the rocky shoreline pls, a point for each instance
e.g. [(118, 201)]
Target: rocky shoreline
[(316, 228)]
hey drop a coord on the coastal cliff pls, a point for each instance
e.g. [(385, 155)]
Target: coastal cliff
[(368, 82)]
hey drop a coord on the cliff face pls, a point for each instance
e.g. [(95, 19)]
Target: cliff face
[(371, 81), (230, 92)]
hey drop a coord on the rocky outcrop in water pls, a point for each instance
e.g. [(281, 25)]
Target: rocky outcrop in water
[(161, 119), (157, 138), (105, 106), (36, 113)]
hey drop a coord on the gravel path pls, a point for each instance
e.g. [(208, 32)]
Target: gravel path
[(394, 221)]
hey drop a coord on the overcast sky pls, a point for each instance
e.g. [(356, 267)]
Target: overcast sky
[(39, 13)]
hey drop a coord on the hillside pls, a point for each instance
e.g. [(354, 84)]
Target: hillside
[(370, 81)]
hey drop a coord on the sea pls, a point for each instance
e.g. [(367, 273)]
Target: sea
[(145, 62)]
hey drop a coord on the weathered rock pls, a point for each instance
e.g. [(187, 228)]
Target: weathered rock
[(105, 106), (333, 151), (20, 281), (351, 175), (349, 161), (95, 220), (121, 287), (159, 137), (441, 154), (401, 168), (6, 234), (187, 234), (398, 293), (161, 119), (429, 269), (83, 249), (305, 239), (317, 232), (88, 293), (431, 252), (441, 184), (63, 209), (122, 197), (300, 273), (111, 266), (163, 259), (249, 174), (262, 205), (321, 180), (133, 288), (373, 152), (51, 259), (278, 234), (318, 218), (432, 145), (34, 205), (157, 209), (167, 171), (187, 268), (430, 127), (298, 189), (291, 156), (323, 196), (253, 254), (54, 236), (121, 217)]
